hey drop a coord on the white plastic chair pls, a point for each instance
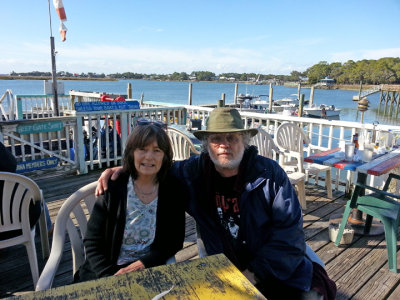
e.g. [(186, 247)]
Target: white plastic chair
[(265, 144), (291, 140), (266, 147), (182, 146), (17, 194), (71, 212)]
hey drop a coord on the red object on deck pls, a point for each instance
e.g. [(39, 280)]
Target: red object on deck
[(106, 98), (119, 98)]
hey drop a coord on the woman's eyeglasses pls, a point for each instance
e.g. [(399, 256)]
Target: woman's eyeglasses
[(151, 122)]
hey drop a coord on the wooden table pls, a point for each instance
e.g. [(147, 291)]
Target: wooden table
[(377, 167), (380, 165), (212, 277)]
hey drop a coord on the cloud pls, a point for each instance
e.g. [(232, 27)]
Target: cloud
[(364, 54), (106, 58)]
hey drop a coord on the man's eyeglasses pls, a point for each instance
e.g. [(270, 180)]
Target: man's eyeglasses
[(143, 121), (220, 138)]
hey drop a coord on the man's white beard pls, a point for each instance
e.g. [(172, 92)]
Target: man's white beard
[(230, 165)]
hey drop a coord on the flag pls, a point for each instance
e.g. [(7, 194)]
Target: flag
[(59, 6)]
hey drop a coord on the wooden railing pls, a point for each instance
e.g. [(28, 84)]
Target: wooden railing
[(39, 106), (7, 106), (100, 145), (82, 141), (41, 143), (323, 133)]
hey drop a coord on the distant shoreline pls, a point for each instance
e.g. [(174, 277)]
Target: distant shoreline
[(354, 87), (8, 77)]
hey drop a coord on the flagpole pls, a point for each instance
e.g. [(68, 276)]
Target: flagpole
[(53, 68)]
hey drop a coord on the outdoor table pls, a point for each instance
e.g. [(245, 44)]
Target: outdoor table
[(211, 277), (378, 166)]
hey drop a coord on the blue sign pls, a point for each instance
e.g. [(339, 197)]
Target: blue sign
[(106, 106), (40, 127), (32, 165)]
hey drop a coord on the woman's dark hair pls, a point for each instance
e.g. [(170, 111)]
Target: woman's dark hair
[(140, 137)]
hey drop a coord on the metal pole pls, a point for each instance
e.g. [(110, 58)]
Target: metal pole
[(54, 77), (53, 68)]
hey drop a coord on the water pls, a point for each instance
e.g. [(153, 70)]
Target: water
[(207, 93)]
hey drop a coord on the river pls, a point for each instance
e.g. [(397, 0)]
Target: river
[(207, 93)]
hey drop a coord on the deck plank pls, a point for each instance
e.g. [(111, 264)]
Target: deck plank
[(359, 269)]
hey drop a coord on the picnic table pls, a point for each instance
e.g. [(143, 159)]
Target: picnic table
[(211, 277), (379, 165)]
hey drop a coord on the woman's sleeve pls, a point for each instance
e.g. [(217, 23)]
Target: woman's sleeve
[(94, 240)]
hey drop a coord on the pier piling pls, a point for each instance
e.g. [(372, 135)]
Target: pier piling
[(190, 94), (129, 91)]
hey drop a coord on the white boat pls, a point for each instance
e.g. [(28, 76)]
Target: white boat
[(286, 106), (322, 111)]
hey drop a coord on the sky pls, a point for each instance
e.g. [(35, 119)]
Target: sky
[(162, 37)]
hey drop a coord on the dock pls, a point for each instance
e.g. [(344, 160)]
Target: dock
[(360, 269)]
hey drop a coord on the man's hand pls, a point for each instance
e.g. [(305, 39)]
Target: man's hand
[(250, 276), (135, 266), (104, 177)]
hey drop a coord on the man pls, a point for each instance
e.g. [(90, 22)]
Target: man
[(256, 198)]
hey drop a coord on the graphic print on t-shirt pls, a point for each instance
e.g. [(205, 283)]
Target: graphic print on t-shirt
[(227, 204)]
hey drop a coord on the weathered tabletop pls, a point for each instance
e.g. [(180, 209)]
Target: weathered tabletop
[(378, 166), (212, 277)]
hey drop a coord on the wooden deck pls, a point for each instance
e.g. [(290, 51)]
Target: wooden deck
[(360, 271)]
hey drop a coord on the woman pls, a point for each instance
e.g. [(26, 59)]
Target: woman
[(140, 221)]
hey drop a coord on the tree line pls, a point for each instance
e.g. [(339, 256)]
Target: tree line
[(382, 71)]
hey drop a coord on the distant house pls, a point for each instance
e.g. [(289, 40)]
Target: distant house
[(327, 81), (303, 79)]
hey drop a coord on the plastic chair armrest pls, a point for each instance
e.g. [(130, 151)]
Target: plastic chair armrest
[(380, 192)]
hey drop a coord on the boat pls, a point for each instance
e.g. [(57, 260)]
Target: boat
[(287, 106), (322, 111)]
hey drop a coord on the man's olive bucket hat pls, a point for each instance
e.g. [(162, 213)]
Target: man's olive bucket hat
[(224, 120)]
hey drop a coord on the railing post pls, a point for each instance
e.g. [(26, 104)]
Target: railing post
[(124, 130), (20, 115), (79, 146), (72, 100)]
